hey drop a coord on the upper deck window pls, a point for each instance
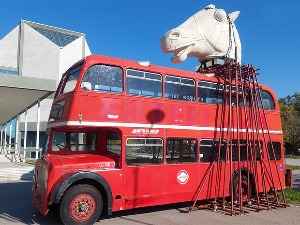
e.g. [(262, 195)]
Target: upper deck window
[(102, 78), (72, 79), (209, 92), (267, 100), (143, 83), (180, 88)]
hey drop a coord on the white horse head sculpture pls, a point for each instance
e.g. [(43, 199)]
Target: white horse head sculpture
[(208, 34)]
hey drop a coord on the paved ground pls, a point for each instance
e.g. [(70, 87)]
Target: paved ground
[(16, 208), (10, 171), (294, 162)]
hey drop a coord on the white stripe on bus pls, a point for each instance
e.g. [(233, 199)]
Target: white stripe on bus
[(153, 126)]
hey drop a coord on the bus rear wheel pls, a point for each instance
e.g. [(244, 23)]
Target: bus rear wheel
[(246, 188), (81, 205)]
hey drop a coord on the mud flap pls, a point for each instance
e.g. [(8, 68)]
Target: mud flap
[(288, 178)]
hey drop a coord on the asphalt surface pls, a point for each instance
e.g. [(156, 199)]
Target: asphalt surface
[(16, 208)]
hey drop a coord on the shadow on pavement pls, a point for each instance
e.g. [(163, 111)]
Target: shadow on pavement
[(27, 176), (16, 205)]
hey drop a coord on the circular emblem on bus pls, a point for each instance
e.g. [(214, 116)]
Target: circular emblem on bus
[(182, 177)]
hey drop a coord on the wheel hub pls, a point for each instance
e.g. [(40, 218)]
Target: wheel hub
[(82, 207)]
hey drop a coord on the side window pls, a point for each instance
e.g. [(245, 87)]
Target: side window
[(143, 83), (102, 78), (179, 88), (74, 141), (210, 92), (60, 85), (83, 141), (113, 143), (267, 101), (243, 151), (240, 96), (276, 148), (72, 79), (181, 150), (58, 141), (209, 149), (144, 151)]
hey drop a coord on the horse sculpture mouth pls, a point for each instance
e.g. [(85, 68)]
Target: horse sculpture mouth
[(181, 54)]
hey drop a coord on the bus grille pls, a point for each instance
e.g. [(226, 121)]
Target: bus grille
[(41, 178)]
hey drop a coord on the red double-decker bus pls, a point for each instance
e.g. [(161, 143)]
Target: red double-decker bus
[(126, 134)]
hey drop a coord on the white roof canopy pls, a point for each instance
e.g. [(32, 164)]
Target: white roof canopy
[(19, 92)]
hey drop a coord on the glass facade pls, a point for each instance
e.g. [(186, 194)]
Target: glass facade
[(31, 139), (9, 72)]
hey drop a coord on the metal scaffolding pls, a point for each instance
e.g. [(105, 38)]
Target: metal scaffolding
[(252, 185)]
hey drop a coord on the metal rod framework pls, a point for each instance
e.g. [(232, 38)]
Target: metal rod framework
[(249, 153)]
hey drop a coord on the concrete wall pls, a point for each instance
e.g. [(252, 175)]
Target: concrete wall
[(72, 53), (9, 46), (41, 57), (45, 107)]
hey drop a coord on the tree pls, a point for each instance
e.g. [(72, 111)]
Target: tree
[(290, 116)]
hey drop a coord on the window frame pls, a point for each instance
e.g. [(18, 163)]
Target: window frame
[(75, 70), (119, 75), (67, 146), (119, 145), (182, 159), (217, 91), (145, 160), (144, 78), (180, 79), (275, 144)]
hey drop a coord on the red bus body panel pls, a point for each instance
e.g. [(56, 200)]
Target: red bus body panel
[(136, 116)]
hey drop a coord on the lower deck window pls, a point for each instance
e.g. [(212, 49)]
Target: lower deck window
[(144, 151), (181, 150), (74, 141), (210, 148), (276, 146), (113, 143)]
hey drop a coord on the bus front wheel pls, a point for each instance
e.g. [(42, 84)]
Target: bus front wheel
[(81, 205)]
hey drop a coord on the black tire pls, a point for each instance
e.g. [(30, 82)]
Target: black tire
[(82, 204), (245, 191)]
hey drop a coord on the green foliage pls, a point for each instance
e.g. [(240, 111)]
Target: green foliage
[(293, 167), (290, 116), (292, 196), (292, 156)]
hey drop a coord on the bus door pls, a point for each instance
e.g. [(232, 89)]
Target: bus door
[(182, 169), (143, 172)]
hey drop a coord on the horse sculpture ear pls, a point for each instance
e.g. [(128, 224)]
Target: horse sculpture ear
[(233, 15)]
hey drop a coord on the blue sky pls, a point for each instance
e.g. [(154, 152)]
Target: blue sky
[(131, 29)]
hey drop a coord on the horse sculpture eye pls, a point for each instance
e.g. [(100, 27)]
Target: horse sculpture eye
[(175, 34)]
